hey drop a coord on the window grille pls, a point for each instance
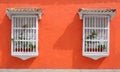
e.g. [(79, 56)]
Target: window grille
[(96, 35), (24, 33), (24, 36)]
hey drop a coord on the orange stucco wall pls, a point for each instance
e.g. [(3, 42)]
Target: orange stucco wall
[(60, 35)]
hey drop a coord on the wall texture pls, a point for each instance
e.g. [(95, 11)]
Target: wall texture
[(60, 35)]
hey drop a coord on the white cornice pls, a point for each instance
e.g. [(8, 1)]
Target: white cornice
[(24, 11)]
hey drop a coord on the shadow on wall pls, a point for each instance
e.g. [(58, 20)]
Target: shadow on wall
[(46, 2), (7, 61), (72, 40), (72, 36)]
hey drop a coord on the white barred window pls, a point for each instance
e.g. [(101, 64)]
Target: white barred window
[(96, 31), (24, 34)]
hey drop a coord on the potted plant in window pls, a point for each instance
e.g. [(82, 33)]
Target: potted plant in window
[(89, 43), (23, 46), (101, 47)]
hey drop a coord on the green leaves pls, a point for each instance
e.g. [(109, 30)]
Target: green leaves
[(25, 44), (32, 46), (12, 39), (102, 46), (92, 35)]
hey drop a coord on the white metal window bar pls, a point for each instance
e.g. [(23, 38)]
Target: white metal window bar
[(24, 35), (96, 31)]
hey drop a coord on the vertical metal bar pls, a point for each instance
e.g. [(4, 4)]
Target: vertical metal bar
[(91, 22), (91, 25), (89, 34), (33, 32), (94, 23), (102, 31), (97, 26), (85, 20), (92, 44), (99, 49), (92, 47), (16, 28), (96, 43), (30, 21), (20, 34), (85, 42), (13, 35), (17, 33), (28, 33), (22, 30), (105, 30), (87, 30), (20, 44), (26, 38)]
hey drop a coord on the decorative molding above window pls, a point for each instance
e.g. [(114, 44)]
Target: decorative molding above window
[(24, 11), (96, 32), (24, 31)]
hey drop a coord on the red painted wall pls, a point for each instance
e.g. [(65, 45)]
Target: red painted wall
[(60, 35)]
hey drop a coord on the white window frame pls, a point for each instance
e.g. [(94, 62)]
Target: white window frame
[(96, 32), (28, 46)]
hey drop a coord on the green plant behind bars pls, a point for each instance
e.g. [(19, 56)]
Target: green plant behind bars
[(102, 46), (23, 43), (92, 35)]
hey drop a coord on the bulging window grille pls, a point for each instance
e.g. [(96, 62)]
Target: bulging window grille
[(96, 32), (24, 34)]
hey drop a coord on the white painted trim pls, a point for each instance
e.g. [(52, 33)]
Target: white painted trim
[(32, 26), (99, 24), (12, 36), (83, 39), (110, 14), (108, 36), (37, 35), (10, 14)]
